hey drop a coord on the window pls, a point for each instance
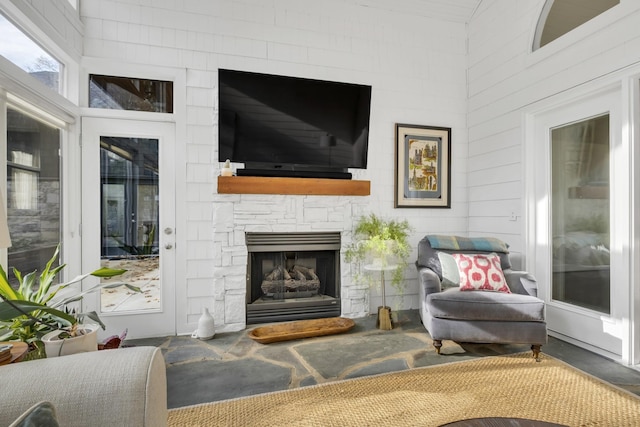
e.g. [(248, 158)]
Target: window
[(26, 54), (33, 190), (558, 17), (130, 183), (124, 93), (580, 213)]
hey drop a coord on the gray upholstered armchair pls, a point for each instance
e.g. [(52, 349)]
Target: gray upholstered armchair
[(514, 315)]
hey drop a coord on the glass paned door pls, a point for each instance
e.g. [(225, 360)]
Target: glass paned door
[(581, 222), (580, 214), (128, 222)]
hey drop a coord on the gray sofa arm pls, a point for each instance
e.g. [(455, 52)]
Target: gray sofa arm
[(429, 281), (521, 282), (124, 387)]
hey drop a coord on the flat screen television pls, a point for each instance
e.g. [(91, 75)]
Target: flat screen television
[(289, 126)]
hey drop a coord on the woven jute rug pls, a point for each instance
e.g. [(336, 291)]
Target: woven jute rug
[(501, 386)]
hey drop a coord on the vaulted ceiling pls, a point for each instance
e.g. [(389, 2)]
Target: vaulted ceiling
[(567, 14), (448, 10)]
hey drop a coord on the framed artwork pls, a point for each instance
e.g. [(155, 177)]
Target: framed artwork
[(423, 167)]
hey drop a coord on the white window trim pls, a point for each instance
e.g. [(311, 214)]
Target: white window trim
[(69, 176), (3, 164), (539, 28), (108, 68), (578, 34), (24, 92), (627, 82), (178, 76), (31, 91), (30, 25)]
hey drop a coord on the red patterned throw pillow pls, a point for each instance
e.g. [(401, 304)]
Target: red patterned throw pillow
[(481, 272)]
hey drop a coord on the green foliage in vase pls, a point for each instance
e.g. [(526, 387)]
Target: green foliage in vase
[(381, 243), (31, 311)]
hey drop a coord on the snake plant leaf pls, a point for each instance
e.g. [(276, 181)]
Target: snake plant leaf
[(27, 285), (80, 295), (46, 280), (128, 286), (6, 291), (48, 274), (31, 310), (103, 272), (107, 272), (93, 316), (17, 308)]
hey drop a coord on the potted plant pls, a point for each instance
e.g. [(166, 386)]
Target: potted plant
[(381, 245), (78, 338), (32, 311)]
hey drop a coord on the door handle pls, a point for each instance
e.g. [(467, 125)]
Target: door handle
[(168, 230), (168, 246)]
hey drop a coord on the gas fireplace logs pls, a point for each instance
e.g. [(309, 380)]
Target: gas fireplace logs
[(296, 282)]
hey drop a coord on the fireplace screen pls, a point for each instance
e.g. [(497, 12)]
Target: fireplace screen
[(292, 276)]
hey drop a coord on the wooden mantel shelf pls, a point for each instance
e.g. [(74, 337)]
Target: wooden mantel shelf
[(299, 186)]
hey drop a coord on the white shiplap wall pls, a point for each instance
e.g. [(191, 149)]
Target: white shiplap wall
[(506, 80), (416, 65)]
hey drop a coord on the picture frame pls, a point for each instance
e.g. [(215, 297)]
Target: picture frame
[(423, 166)]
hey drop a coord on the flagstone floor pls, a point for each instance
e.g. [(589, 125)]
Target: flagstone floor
[(232, 365)]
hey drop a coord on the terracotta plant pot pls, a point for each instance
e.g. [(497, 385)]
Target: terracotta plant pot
[(56, 346)]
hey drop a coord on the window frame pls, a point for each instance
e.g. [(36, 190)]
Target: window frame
[(27, 36), (542, 24), (61, 110), (576, 35)]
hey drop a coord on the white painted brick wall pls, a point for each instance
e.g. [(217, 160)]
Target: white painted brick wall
[(416, 66)]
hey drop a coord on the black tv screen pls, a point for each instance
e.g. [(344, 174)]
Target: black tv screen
[(278, 125)]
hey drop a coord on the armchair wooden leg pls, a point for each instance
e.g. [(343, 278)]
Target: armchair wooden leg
[(536, 351), (437, 344)]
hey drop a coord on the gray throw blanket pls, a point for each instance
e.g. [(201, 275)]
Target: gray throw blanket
[(457, 243)]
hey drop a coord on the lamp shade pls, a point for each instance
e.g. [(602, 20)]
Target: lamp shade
[(5, 240)]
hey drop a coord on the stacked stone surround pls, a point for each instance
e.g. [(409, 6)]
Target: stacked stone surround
[(234, 215)]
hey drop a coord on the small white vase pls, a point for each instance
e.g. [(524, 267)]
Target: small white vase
[(55, 346), (206, 326), (226, 169)]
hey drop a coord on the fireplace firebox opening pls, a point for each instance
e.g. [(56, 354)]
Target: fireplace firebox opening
[(292, 276)]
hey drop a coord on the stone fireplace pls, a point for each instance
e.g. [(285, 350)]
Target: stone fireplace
[(237, 215), (292, 276)]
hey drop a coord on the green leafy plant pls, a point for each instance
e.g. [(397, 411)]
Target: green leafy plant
[(31, 311), (382, 244), (146, 249)]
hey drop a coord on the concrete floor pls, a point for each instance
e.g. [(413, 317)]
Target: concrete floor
[(233, 365)]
